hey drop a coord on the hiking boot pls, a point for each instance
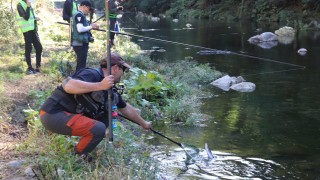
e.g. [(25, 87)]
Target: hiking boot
[(30, 71), (111, 42), (36, 71), (86, 157)]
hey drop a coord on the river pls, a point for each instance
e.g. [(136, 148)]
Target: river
[(271, 133)]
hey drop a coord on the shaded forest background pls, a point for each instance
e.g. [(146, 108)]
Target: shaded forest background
[(299, 12)]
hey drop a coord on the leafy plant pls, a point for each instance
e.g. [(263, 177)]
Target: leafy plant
[(149, 86)]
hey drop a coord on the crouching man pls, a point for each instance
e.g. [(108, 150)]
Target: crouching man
[(77, 107)]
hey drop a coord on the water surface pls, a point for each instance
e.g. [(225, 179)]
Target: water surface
[(271, 133)]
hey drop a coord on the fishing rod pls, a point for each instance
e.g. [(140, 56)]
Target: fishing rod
[(196, 46), (108, 57), (155, 132), (99, 18), (171, 140), (133, 22)]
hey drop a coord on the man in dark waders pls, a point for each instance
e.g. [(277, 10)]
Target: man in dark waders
[(63, 114), (28, 24)]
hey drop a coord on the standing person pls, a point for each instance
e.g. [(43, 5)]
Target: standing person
[(81, 35), (114, 9), (70, 7), (62, 113), (28, 24)]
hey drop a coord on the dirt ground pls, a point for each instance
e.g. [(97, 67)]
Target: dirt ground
[(13, 128)]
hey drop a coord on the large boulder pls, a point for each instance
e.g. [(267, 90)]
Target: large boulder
[(226, 82), (264, 37), (285, 31), (285, 35)]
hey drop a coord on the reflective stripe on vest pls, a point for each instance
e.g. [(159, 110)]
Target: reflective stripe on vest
[(26, 25), (112, 15)]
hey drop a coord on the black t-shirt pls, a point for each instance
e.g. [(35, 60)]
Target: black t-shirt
[(58, 103)]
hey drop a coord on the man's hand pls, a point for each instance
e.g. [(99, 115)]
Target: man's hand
[(94, 26), (120, 8), (146, 125), (107, 82)]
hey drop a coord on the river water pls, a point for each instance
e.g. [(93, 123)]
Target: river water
[(271, 133)]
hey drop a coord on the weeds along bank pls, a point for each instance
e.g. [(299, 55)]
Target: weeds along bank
[(162, 92)]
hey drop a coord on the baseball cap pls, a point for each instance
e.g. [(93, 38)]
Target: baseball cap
[(88, 4), (115, 59)]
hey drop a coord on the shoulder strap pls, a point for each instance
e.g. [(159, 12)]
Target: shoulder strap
[(100, 73)]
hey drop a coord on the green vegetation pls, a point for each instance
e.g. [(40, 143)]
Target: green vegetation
[(297, 12), (163, 93)]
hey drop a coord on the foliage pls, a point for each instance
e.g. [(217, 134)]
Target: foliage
[(230, 10), (154, 7), (9, 31), (149, 86)]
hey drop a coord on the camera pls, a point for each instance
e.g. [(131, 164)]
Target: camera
[(91, 38)]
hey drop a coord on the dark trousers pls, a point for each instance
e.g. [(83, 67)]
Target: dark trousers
[(112, 27), (32, 38), (82, 55)]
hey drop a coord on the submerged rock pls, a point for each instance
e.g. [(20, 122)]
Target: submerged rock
[(267, 45), (209, 52)]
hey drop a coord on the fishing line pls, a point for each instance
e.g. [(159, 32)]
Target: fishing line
[(270, 72), (133, 21), (201, 47)]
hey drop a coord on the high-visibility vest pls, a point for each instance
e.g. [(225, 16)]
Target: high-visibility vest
[(74, 7), (26, 25), (113, 16)]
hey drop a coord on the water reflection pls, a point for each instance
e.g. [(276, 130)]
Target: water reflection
[(176, 165)]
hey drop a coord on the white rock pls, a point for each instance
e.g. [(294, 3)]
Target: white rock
[(244, 87), (28, 172), (223, 83), (175, 20), (285, 31), (302, 51), (15, 163), (264, 37)]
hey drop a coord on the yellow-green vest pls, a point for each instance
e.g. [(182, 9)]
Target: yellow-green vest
[(26, 25), (74, 7)]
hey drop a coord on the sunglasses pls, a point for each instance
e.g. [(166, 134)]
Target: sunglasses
[(122, 67)]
